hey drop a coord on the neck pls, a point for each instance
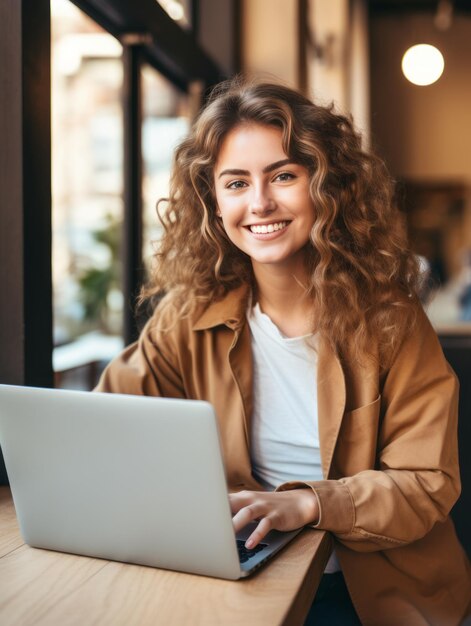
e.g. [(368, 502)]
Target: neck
[(282, 296)]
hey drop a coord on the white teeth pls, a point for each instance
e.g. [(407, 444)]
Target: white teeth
[(267, 228)]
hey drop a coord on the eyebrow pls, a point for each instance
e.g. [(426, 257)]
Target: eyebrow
[(266, 169)]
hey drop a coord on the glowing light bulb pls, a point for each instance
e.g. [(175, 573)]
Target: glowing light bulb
[(423, 64)]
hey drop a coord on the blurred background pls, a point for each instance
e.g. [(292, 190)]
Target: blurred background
[(124, 81), (94, 97), (88, 184), (348, 52)]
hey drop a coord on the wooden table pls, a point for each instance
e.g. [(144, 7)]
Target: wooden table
[(48, 588)]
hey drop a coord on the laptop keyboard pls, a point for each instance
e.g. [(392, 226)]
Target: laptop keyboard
[(244, 553)]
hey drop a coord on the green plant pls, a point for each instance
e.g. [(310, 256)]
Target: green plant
[(96, 283)]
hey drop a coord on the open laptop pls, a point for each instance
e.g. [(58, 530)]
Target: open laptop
[(126, 478)]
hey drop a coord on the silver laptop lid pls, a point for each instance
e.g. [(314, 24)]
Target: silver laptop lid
[(119, 477)]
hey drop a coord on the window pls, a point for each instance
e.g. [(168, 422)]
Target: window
[(87, 191), (72, 75), (165, 123)]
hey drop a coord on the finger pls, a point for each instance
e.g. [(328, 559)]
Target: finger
[(246, 515), (261, 531), (240, 499), (235, 502)]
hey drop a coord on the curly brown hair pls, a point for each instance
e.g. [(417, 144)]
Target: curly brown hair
[(363, 279)]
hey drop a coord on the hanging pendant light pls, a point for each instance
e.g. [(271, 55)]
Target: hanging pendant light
[(422, 64)]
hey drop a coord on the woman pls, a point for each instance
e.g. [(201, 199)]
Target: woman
[(291, 305)]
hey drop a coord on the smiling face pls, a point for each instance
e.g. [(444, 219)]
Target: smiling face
[(263, 197)]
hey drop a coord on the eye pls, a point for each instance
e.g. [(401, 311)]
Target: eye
[(236, 184), (284, 177)]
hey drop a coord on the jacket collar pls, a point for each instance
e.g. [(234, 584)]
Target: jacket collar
[(331, 386), (230, 311)]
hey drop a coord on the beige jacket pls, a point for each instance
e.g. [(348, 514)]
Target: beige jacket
[(388, 446)]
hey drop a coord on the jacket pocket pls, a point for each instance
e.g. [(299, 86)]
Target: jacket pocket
[(356, 447)]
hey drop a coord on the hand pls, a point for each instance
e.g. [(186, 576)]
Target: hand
[(279, 510)]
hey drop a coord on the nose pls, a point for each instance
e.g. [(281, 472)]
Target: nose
[(261, 203)]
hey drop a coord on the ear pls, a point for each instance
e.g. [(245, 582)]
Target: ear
[(218, 212)]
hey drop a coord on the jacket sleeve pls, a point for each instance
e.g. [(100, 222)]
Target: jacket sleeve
[(147, 367), (416, 477)]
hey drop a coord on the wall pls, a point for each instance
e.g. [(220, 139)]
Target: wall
[(269, 40), (338, 63), (216, 32), (359, 68), (327, 62), (336, 56), (423, 132)]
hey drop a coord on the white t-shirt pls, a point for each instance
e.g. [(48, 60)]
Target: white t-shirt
[(284, 428)]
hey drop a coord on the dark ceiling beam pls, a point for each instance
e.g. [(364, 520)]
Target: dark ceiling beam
[(171, 49), (414, 6)]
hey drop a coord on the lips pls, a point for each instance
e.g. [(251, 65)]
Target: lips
[(263, 229)]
